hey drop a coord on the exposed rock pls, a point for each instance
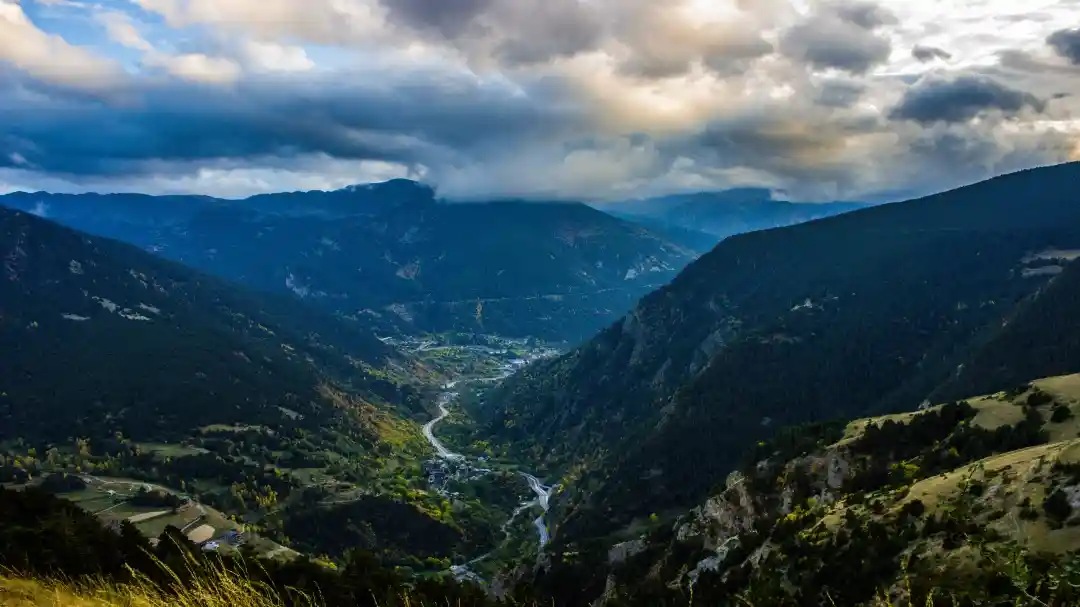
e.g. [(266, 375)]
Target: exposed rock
[(622, 551)]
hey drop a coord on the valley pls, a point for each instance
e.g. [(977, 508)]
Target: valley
[(887, 390), (449, 464), (539, 303)]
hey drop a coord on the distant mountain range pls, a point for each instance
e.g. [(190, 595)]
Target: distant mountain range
[(725, 213), (393, 255), (872, 311)]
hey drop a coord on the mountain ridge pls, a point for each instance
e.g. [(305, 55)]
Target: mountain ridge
[(725, 213), (850, 314), (556, 271)]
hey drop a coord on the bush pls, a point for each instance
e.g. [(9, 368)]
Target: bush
[(1060, 414), (1038, 398), (62, 482), (1056, 505)]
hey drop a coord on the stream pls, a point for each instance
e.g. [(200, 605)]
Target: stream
[(541, 491)]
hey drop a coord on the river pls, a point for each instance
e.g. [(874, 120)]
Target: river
[(540, 490)]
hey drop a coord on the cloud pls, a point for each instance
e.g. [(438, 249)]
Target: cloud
[(1066, 43), (196, 67), (534, 98), (268, 56), (660, 43), (122, 31), (840, 93), (840, 36), (929, 53), (266, 121), (961, 99), (448, 18), (867, 15), (50, 58), (329, 22)]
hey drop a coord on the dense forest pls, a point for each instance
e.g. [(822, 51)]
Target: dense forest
[(124, 365), (393, 256), (864, 312)]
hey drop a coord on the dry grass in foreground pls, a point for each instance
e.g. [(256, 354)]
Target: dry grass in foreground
[(219, 589)]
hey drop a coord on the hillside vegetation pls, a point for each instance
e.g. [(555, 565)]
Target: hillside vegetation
[(391, 256), (123, 366), (865, 312), (970, 501), (51, 548)]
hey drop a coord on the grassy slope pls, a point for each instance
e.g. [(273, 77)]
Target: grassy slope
[(223, 591), (1010, 477)]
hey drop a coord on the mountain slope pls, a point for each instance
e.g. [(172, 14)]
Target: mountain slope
[(394, 256), (867, 311), (120, 364), (728, 212), (944, 501), (103, 333), (1042, 338)]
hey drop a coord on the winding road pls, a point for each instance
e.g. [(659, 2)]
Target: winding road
[(440, 449), (543, 492)]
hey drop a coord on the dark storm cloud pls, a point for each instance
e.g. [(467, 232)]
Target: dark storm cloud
[(449, 17), (560, 28), (797, 148), (1066, 43), (929, 53), (516, 32), (840, 36), (416, 119), (866, 15), (961, 99)]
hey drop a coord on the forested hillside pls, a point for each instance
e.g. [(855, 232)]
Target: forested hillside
[(119, 364), (392, 256), (971, 502), (864, 312)]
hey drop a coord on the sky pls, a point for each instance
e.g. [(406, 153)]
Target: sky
[(571, 99)]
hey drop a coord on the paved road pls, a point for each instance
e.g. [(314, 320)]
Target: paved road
[(542, 491), (429, 428)]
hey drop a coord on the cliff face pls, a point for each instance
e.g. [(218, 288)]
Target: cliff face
[(845, 509)]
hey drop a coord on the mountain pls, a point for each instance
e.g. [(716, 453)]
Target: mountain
[(948, 503), (393, 255), (691, 239), (157, 346), (1041, 338), (865, 312), (727, 212), (122, 365)]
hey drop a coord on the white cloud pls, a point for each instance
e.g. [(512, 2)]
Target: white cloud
[(268, 56), (196, 67), (49, 57), (122, 31)]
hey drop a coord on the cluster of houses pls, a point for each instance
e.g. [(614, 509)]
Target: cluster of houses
[(439, 472)]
